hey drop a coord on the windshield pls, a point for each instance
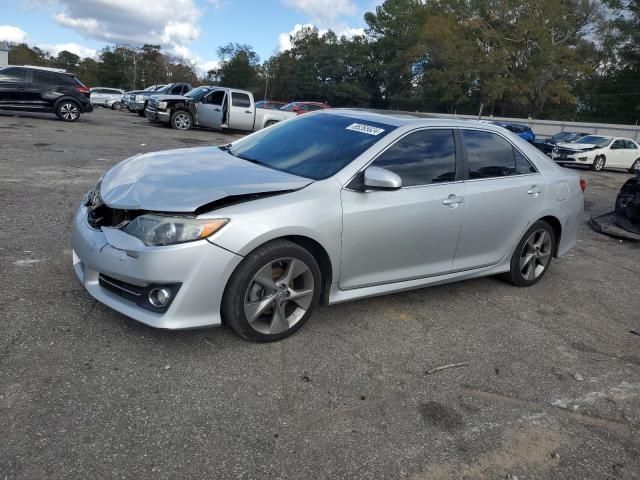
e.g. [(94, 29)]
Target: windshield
[(311, 146), (558, 137), (165, 88), (198, 93), (595, 140), (289, 107)]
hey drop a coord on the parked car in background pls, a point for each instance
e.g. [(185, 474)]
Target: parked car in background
[(106, 97), (300, 108), (271, 104), (597, 152), (331, 206), (129, 95), (40, 89), (141, 99), (546, 146), (523, 131), (213, 107)]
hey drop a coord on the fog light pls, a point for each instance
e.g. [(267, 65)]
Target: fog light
[(159, 297), (582, 159)]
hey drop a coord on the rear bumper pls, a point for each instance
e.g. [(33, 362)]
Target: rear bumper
[(200, 268)]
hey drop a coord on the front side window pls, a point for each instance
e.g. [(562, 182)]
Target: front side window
[(489, 155), (216, 98), (618, 145), (421, 158), (240, 100), (313, 146), (13, 75)]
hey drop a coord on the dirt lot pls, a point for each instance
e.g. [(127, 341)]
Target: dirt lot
[(552, 388)]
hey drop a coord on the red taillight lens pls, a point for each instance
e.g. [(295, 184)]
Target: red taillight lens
[(82, 89), (583, 184)]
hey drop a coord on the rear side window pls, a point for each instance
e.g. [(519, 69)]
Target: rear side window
[(240, 100), (13, 75), (489, 155), (47, 78), (422, 158), (631, 145)]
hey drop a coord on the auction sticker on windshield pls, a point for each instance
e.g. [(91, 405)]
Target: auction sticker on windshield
[(368, 129)]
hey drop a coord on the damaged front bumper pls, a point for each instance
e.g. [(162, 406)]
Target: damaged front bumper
[(121, 275)]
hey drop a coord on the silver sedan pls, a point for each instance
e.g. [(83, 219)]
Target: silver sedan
[(328, 207)]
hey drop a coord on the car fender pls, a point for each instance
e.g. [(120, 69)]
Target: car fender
[(66, 98)]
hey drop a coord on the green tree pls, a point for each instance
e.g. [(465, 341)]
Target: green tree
[(238, 66)]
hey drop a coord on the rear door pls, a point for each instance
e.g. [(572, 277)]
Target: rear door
[(504, 193), (209, 110), (391, 236), (242, 111), (13, 87), (633, 153)]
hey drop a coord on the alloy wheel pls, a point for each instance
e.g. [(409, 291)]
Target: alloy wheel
[(69, 111), (636, 166), (182, 121), (598, 164), (279, 295), (535, 255)]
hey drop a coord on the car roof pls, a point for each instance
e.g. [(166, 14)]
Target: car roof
[(399, 119)]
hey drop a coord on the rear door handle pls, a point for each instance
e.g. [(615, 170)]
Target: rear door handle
[(534, 190), (452, 200)]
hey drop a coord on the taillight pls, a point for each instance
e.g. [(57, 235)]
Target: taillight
[(82, 89), (583, 184)]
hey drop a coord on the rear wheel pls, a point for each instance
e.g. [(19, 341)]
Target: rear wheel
[(598, 163), (270, 123), (68, 111), (532, 257), (181, 120), (635, 168), (116, 106), (273, 292)]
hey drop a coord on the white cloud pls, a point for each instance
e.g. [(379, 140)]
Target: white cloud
[(79, 50), (169, 23), (323, 12), (9, 33), (284, 39)]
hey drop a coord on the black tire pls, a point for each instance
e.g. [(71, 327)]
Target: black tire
[(635, 168), (181, 120), (242, 281), (270, 123), (598, 163), (141, 112), (68, 111), (116, 106), (516, 275)]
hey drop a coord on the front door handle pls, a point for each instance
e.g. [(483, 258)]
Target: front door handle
[(534, 190), (452, 200), (217, 109), (248, 111)]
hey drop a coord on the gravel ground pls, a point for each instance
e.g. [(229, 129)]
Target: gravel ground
[(551, 389)]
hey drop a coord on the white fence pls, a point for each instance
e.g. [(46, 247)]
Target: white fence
[(546, 128)]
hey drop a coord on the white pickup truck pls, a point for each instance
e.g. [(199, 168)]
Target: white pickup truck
[(213, 107)]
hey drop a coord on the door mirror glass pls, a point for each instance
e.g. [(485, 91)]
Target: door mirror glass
[(380, 179)]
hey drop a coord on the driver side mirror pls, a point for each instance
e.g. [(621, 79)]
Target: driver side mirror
[(378, 178)]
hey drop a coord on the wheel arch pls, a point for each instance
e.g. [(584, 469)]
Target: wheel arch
[(66, 98), (556, 226)]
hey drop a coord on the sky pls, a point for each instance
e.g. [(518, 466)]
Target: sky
[(191, 28)]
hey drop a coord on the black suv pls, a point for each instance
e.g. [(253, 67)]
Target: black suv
[(34, 89)]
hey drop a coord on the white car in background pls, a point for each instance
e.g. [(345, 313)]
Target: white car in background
[(597, 151), (106, 97)]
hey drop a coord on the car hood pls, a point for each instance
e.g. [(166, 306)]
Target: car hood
[(577, 146), (185, 179), (172, 97)]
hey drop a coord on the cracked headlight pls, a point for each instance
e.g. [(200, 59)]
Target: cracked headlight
[(156, 230)]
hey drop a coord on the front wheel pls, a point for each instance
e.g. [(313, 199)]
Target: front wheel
[(141, 112), (273, 292), (635, 168), (598, 164), (532, 257), (68, 111), (116, 106), (181, 120)]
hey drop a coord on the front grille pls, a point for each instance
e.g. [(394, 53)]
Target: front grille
[(123, 289), (565, 151), (152, 105), (100, 215)]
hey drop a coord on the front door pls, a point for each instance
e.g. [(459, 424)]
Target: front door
[(617, 155), (14, 88), (209, 112), (391, 236), (504, 193)]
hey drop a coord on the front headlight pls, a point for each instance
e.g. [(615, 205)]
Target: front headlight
[(139, 98), (156, 230), (162, 105)]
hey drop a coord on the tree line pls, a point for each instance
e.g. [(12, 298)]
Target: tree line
[(560, 59)]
